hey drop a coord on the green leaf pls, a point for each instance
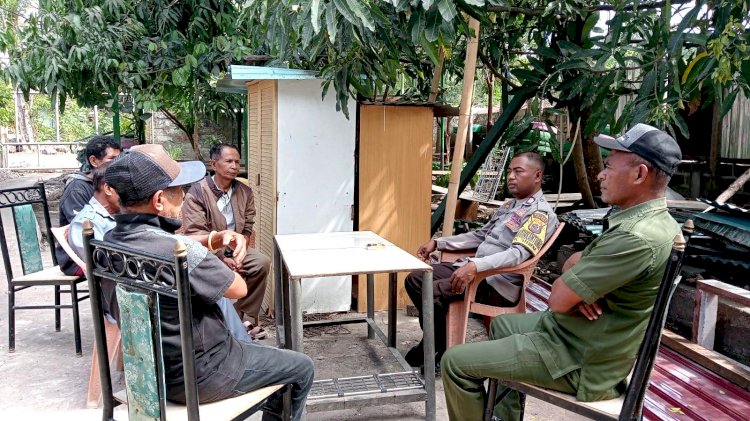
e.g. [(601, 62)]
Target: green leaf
[(417, 23), (362, 12), (679, 33), (526, 75), (573, 64), (181, 75), (681, 125), (315, 15), (191, 61), (343, 8), (647, 85), (331, 21), (432, 26), (151, 47), (431, 49), (447, 9), (568, 47)]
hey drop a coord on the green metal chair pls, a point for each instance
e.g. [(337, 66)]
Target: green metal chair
[(143, 279), (26, 230)]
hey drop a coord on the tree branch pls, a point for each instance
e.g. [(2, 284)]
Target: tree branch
[(539, 11), (176, 122), (494, 71)]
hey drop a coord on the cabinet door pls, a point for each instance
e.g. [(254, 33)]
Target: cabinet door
[(395, 153), (262, 108)]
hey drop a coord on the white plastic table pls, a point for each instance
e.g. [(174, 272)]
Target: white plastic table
[(300, 256)]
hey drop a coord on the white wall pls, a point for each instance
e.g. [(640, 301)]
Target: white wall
[(315, 178)]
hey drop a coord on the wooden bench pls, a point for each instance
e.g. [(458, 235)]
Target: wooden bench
[(142, 280), (680, 388)]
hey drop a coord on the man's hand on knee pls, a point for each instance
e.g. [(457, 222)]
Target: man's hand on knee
[(463, 276)]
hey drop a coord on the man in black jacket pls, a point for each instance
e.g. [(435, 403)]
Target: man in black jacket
[(79, 189)]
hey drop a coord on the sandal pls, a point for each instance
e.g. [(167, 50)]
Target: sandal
[(255, 332)]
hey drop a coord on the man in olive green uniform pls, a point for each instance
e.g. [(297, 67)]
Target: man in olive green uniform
[(586, 343), (516, 231)]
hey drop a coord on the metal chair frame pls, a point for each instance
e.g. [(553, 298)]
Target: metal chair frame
[(12, 198), (636, 390), (142, 272)]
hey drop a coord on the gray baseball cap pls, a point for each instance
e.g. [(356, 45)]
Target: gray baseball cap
[(648, 142), (143, 170)]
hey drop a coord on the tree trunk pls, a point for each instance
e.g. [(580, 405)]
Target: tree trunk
[(195, 138), (579, 162), (27, 130), (490, 89), (594, 163)]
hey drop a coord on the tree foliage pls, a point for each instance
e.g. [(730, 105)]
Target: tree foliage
[(653, 62), (165, 54)]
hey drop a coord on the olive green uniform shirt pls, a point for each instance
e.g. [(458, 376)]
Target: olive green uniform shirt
[(621, 269)]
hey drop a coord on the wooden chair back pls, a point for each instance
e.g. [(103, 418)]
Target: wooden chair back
[(458, 311)]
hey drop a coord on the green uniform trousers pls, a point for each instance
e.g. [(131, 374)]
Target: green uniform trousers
[(508, 355)]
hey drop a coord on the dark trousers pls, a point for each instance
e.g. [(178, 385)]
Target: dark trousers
[(266, 366), (255, 268), (443, 295)]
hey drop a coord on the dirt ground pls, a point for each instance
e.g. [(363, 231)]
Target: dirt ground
[(44, 379)]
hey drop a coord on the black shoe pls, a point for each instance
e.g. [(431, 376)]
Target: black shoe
[(415, 356), (437, 369)]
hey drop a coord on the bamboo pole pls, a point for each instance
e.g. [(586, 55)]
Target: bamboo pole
[(464, 112)]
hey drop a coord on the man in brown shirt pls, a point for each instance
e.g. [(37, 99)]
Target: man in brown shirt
[(220, 202)]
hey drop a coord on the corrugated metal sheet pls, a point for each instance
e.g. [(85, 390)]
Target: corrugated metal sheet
[(735, 130), (679, 389), (728, 207), (722, 260), (729, 227)]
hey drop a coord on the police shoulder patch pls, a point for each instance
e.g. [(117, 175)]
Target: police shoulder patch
[(533, 232)]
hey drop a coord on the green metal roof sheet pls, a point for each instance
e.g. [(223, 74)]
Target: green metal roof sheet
[(730, 227)]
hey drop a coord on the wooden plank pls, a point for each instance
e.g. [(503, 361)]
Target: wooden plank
[(725, 367), (730, 292), (395, 148), (704, 318), (138, 355), (28, 240)]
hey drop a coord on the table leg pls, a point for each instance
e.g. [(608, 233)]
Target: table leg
[(296, 313), (278, 299), (370, 303), (392, 307), (428, 329), (287, 315)]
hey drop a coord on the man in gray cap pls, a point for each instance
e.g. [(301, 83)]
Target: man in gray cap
[(587, 342), (150, 186)]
